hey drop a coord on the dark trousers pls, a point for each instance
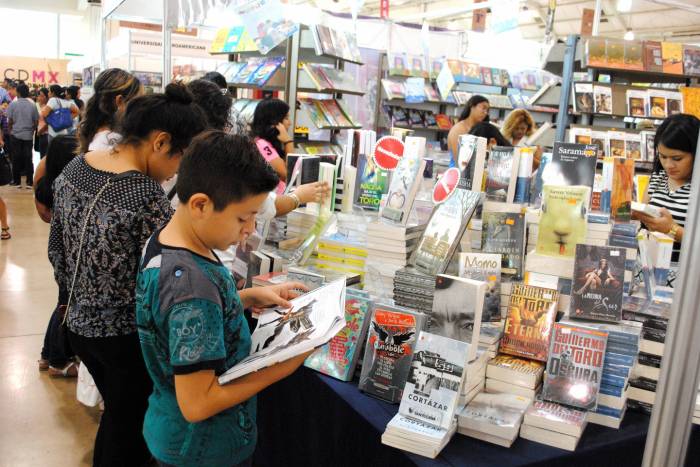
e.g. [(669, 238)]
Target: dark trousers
[(57, 349), (116, 364), (245, 463), (22, 160)]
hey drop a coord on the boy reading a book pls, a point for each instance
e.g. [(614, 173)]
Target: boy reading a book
[(190, 317)]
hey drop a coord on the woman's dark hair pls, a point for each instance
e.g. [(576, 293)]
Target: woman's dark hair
[(61, 151), (679, 132), (23, 90), (472, 102), (43, 91), (57, 91), (173, 112), (101, 108), (72, 94), (488, 131), (268, 114), (216, 78), (226, 168), (216, 106)]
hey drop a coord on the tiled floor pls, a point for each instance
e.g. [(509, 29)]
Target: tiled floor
[(41, 422)]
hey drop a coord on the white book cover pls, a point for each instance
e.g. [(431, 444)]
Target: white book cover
[(405, 181), (485, 267), (314, 319), (471, 159), (550, 438), (580, 135), (555, 417), (583, 97), (498, 414), (602, 95), (432, 387), (402, 425)]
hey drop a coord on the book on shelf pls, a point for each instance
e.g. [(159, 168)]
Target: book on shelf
[(574, 366), (616, 144), (434, 379), (563, 222), (602, 97), (485, 267), (268, 68), (334, 113), (672, 58), (281, 333), (622, 188), (526, 156), (418, 67), (691, 60), (583, 97), (502, 174), (443, 121), (391, 340), (342, 45), (657, 103), (245, 75), (398, 64), (598, 283), (431, 94), (324, 44), (529, 321), (415, 90), (653, 61), (538, 181), (245, 263), (493, 417), (504, 233), (674, 103), (393, 89), (445, 81), (515, 370), (338, 358), (637, 103), (316, 113), (471, 158), (633, 146), (405, 181), (415, 118)]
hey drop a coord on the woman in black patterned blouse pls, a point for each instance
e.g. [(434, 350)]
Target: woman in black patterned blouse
[(95, 255)]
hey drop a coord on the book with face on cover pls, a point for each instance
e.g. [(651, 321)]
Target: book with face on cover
[(484, 267), (563, 223), (434, 379), (598, 282), (405, 181), (502, 174), (574, 366), (529, 322), (602, 98), (583, 97), (504, 233), (391, 339), (371, 183)]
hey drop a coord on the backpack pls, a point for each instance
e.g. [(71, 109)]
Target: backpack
[(5, 167), (59, 119)]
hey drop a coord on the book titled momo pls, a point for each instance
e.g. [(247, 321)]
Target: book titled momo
[(502, 174), (563, 223), (447, 224), (405, 181), (391, 339), (531, 314), (599, 273), (432, 386), (339, 356), (484, 267), (504, 233), (574, 366)]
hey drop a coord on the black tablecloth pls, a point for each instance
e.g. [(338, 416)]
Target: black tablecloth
[(314, 420)]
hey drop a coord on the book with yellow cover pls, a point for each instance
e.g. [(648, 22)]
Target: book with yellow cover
[(672, 57), (623, 185), (563, 223)]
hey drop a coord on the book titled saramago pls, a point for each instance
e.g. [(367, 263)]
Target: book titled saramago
[(572, 164), (598, 280), (575, 366), (531, 313)]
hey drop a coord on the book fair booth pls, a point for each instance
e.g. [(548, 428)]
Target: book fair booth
[(471, 303)]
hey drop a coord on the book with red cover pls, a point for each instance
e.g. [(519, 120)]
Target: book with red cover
[(443, 121), (529, 322), (332, 110), (652, 57)]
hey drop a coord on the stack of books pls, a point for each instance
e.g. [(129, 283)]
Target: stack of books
[(490, 337), (474, 378), (514, 375), (341, 254), (553, 424), (417, 437), (271, 278), (300, 221), (493, 417), (624, 235), (414, 289)]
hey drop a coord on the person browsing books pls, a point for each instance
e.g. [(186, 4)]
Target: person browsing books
[(190, 317), (518, 127), (270, 132), (675, 143), (491, 133), (475, 111)]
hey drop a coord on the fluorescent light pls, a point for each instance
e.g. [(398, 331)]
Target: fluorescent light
[(629, 35), (624, 5)]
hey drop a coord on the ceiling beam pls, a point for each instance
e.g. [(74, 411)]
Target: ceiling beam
[(611, 12)]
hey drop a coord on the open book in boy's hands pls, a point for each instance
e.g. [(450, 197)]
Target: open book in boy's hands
[(282, 333)]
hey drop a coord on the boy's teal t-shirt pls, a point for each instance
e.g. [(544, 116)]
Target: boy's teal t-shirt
[(190, 318)]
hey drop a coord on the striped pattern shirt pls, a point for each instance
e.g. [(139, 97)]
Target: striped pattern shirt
[(676, 202)]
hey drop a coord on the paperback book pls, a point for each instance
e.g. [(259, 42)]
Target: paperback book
[(529, 322), (471, 160), (391, 340), (504, 233), (598, 280), (602, 99), (515, 370), (622, 189), (572, 164), (485, 267), (498, 415), (583, 97), (405, 181), (371, 183), (434, 380), (563, 223), (526, 157), (502, 174), (575, 366)]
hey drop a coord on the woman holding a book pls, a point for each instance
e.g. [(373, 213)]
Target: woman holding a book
[(518, 127), (475, 111)]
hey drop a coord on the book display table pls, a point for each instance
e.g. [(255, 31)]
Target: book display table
[(314, 420)]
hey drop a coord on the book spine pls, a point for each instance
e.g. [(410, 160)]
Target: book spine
[(613, 380), (619, 359), (616, 370), (615, 348), (611, 390)]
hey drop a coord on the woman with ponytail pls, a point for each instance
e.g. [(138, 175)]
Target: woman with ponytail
[(113, 89), (107, 203)]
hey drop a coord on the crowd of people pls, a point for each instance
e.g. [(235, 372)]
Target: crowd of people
[(141, 192)]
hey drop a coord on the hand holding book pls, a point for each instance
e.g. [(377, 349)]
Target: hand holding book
[(274, 295)]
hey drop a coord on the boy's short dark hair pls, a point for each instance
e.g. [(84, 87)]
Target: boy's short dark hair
[(23, 90), (226, 168)]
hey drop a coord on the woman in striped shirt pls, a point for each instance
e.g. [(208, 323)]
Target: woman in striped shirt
[(669, 188)]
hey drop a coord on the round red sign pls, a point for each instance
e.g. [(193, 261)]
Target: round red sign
[(446, 185), (388, 152)]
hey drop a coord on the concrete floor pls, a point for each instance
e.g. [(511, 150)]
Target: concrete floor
[(41, 422)]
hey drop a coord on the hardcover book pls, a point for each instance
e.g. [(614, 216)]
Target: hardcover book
[(529, 322), (398, 64), (391, 339), (434, 379), (583, 97), (563, 223), (598, 280), (672, 57), (502, 174), (674, 103), (447, 224), (405, 181), (471, 159), (266, 70), (653, 62), (572, 164), (575, 366), (519, 371), (338, 358), (623, 186), (393, 89), (504, 233), (485, 267), (602, 97), (371, 184)]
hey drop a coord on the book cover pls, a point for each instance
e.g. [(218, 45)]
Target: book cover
[(572, 164), (434, 379), (653, 61), (315, 113), (672, 57), (443, 121), (246, 73), (563, 223), (622, 188), (431, 94), (415, 90), (637, 103), (471, 158), (598, 279), (418, 69), (486, 77), (354, 53), (405, 181), (634, 56), (501, 174), (531, 314), (539, 180), (445, 81), (583, 97), (657, 103), (579, 135), (485, 267), (504, 233), (391, 339), (393, 89), (555, 417), (338, 358), (266, 70), (398, 64), (324, 35), (526, 157), (602, 98), (615, 51), (674, 103), (633, 146), (515, 370), (471, 72), (415, 118), (498, 413), (334, 113), (600, 139), (596, 49), (371, 184), (497, 77), (341, 44), (616, 144), (574, 366), (691, 60)]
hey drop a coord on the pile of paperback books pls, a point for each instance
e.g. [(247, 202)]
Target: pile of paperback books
[(493, 417), (553, 424)]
